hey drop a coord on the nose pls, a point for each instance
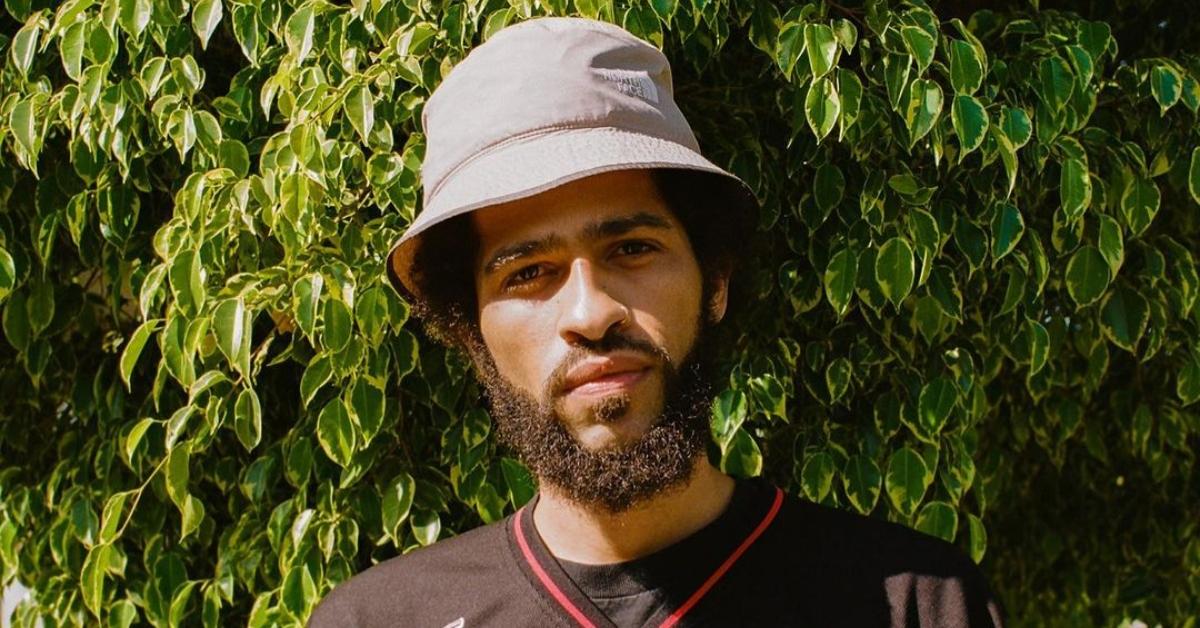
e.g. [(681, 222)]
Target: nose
[(588, 310)]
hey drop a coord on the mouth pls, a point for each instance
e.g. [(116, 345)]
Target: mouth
[(603, 375), (609, 384)]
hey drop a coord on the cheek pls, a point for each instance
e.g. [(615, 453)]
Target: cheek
[(517, 339), (670, 306)]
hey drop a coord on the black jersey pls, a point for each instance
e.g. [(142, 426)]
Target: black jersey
[(768, 560)]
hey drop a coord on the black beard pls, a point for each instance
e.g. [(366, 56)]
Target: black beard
[(618, 478)]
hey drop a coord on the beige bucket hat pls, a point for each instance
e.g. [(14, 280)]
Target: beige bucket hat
[(542, 103)]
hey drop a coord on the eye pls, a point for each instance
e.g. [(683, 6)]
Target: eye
[(523, 276), (635, 247)]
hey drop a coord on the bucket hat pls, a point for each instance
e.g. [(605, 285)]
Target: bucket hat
[(542, 103)]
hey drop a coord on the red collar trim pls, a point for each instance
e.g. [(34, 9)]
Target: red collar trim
[(578, 615)]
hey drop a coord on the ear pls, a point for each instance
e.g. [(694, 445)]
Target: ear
[(719, 299)]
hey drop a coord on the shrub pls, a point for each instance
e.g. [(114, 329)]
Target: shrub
[(974, 310)]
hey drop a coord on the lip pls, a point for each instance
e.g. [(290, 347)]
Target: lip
[(605, 375)]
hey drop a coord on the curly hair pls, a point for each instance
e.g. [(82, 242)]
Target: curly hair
[(717, 214)]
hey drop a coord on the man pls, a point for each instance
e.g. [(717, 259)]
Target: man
[(579, 248)]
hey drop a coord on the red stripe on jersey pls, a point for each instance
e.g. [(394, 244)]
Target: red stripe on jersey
[(716, 575), (559, 596)]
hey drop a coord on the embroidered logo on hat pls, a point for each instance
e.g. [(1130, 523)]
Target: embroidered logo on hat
[(633, 82)]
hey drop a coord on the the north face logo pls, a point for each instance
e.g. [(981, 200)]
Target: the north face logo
[(458, 623), (633, 82)]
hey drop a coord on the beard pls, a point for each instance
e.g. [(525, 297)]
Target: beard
[(617, 478)]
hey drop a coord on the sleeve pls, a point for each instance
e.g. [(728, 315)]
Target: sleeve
[(943, 601)]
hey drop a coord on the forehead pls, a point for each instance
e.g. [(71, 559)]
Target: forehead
[(571, 210)]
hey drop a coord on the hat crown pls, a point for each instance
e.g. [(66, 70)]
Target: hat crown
[(545, 74)]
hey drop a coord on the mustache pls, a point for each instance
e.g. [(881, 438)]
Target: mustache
[(611, 342)]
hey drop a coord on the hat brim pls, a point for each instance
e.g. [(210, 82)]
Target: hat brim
[(531, 164)]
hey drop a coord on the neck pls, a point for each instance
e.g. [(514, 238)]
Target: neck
[(590, 535)]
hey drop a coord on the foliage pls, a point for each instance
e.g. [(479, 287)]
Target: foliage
[(974, 311)]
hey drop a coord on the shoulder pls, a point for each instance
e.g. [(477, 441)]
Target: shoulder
[(405, 587), (922, 577), (887, 544)]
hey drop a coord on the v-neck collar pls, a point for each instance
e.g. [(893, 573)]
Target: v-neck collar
[(750, 515)]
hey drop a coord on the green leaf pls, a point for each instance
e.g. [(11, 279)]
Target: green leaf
[(8, 274), (895, 269), (1007, 228), (187, 282), (23, 122), (339, 324), (1187, 383), (307, 295), (821, 107), (978, 538), (426, 526), (729, 411), (1123, 317), (40, 306), (895, 74), (920, 45), (742, 458), (246, 30), (134, 347), (135, 16), (299, 32), (231, 324), (122, 614), (177, 474), (850, 90), (367, 402), (336, 432), (396, 503), (927, 317), (91, 580), (923, 108), (966, 68), (1194, 175), (24, 46), (861, 481), (318, 372), (1016, 126), (1095, 37), (360, 108), (828, 187), (1057, 83), (816, 477), (1087, 275), (906, 480), (111, 519), (179, 419), (247, 418), (16, 322), (1165, 84), (822, 47), (1139, 204), (970, 123), (205, 17), (1074, 188), (840, 278), (837, 378), (937, 400), (521, 485), (938, 519), (1112, 243), (1039, 346), (70, 49)]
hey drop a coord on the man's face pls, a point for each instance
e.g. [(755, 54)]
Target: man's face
[(589, 309)]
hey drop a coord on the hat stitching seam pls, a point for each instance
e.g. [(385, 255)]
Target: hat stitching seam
[(558, 126)]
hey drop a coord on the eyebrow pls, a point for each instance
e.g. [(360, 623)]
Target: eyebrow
[(594, 231)]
